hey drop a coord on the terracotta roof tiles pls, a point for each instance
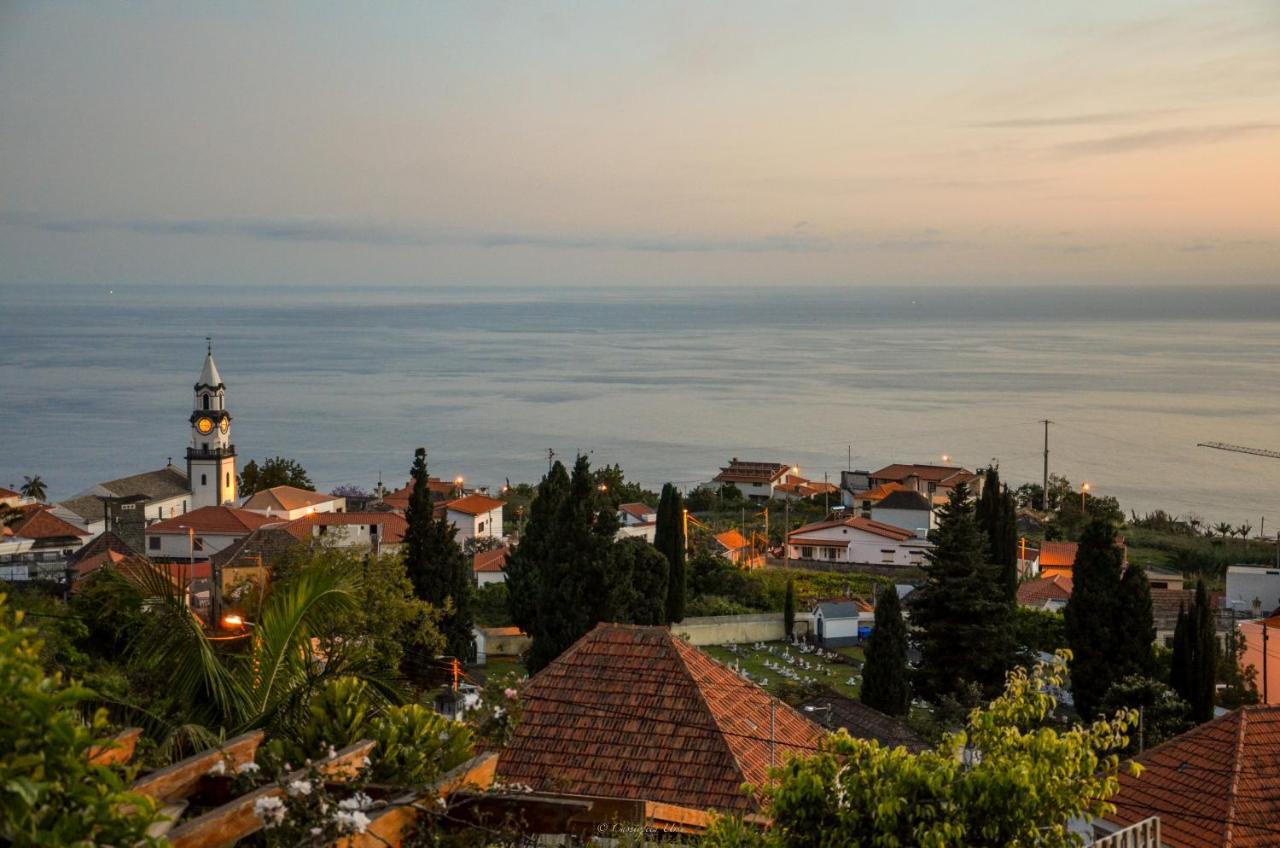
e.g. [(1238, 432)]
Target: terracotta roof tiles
[(224, 520), (475, 504)]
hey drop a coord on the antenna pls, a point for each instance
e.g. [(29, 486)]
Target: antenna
[(208, 340)]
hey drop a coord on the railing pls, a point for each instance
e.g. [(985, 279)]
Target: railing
[(211, 453), (1144, 834)]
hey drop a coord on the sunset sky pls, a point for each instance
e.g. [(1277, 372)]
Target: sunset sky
[(601, 144)]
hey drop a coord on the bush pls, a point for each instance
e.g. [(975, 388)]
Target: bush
[(491, 607)]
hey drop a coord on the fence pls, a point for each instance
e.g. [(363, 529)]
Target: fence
[(1144, 834)]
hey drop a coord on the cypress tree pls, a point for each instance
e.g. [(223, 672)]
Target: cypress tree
[(789, 609), (1091, 618), (885, 681), (639, 587), (964, 623), (1204, 668), (669, 538), (996, 513), (1180, 662), (435, 563), (525, 566), (1135, 643)]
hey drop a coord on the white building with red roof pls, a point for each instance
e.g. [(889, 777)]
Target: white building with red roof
[(38, 544), (291, 502), (637, 519), (379, 531), (857, 541), (489, 566), (202, 532), (476, 517)]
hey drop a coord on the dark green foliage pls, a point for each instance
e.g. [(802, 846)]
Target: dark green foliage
[(789, 610), (34, 487), (639, 583), (276, 471), (1195, 656), (441, 575), (1180, 663), (1135, 637), (885, 683), (618, 490), (963, 619), (537, 548), (996, 513), (669, 538), (1162, 716), (493, 606), (1039, 630), (1092, 618), (1239, 682)]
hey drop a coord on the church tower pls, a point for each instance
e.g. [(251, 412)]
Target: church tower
[(211, 459)]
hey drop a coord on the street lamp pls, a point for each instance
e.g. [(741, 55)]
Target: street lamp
[(946, 458), (1084, 487)]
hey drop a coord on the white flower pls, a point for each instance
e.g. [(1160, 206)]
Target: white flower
[(366, 762), (332, 752), (270, 809), (315, 831), (351, 820), (248, 768), (444, 736), (220, 767), (299, 787), (358, 801)]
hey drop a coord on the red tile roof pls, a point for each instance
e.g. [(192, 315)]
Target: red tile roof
[(39, 523), (880, 492), (731, 540), (642, 511), (945, 474), (9, 493), (392, 525), (489, 562), (475, 504), (1057, 554), (219, 520), (437, 487), (636, 713), (1217, 786), (1036, 593), (867, 525), (751, 472), (285, 499)]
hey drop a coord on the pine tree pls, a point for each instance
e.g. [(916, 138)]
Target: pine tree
[(1092, 616), (964, 622), (1136, 630), (885, 680), (435, 563), (789, 609), (669, 538)]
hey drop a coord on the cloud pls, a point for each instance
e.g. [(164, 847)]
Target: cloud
[(1175, 137), (1075, 120)]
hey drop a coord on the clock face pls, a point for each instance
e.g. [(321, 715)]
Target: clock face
[(224, 425), (205, 425)]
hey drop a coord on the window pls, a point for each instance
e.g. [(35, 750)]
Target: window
[(206, 400), (197, 544), (806, 553), (153, 543), (204, 479), (228, 480), (373, 529), (480, 527), (886, 555)]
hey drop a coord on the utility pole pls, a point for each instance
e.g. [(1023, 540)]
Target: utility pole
[(786, 533), (848, 465), (1045, 491), (826, 494), (1266, 692)]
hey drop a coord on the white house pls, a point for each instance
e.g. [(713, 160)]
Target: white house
[(1245, 583), (838, 623), (476, 517), (487, 566), (857, 540), (290, 502), (381, 531), (907, 509), (758, 481), (37, 545), (201, 532), (637, 519), (165, 491)]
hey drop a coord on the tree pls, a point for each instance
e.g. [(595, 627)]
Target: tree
[(1091, 617), (639, 588), (52, 794), (1224, 529), (1162, 714), (669, 538), (1204, 671), (34, 488), (440, 573), (963, 619), (1244, 530), (1180, 662), (996, 514), (789, 609), (618, 490), (275, 471), (528, 564), (1004, 779), (1239, 681), (886, 684), (1134, 651)]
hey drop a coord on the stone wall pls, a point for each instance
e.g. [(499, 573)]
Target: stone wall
[(723, 629)]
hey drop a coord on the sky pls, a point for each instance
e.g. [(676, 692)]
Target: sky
[(649, 143)]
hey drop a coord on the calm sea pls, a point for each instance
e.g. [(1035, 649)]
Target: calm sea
[(96, 384)]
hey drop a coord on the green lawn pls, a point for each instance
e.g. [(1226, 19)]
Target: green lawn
[(835, 675)]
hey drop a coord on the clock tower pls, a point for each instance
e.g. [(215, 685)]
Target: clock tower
[(211, 459)]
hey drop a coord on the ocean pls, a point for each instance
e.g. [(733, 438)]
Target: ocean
[(96, 383)]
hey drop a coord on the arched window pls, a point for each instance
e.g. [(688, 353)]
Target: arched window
[(206, 400)]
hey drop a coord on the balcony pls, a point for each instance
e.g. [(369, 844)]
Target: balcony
[(211, 453)]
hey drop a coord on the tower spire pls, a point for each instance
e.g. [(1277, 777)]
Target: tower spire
[(208, 340)]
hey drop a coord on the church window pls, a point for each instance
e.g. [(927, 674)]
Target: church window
[(206, 401)]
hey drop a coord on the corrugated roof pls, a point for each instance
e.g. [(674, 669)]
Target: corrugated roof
[(636, 713)]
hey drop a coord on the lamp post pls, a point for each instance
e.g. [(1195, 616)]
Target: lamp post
[(1084, 487)]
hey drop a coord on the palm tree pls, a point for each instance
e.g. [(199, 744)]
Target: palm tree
[(1224, 529), (34, 488), (263, 680), (1244, 530)]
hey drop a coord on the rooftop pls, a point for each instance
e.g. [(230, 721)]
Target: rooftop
[(731, 540), (39, 523), (158, 485), (637, 713), (489, 562), (905, 499), (867, 525), (863, 722), (1042, 590), (392, 524), (738, 471), (285, 499), (641, 511), (475, 504), (949, 474), (225, 520)]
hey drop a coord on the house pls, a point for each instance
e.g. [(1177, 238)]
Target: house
[(758, 481), (840, 623), (1257, 635), (440, 491), (108, 550), (506, 641), (865, 501), (162, 493), (1049, 593), (853, 483), (735, 547), (935, 482), (291, 502), (245, 560), (798, 488), (38, 545), (489, 566), (381, 532), (637, 519), (1247, 583), (635, 713), (907, 509), (10, 498), (1160, 578), (856, 540), (1060, 557), (1165, 604), (835, 712), (202, 532), (1215, 786), (476, 517)]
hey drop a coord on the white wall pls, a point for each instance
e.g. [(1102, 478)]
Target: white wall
[(179, 544), (639, 531), (485, 578), (470, 526), (918, 521), (1245, 584)]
